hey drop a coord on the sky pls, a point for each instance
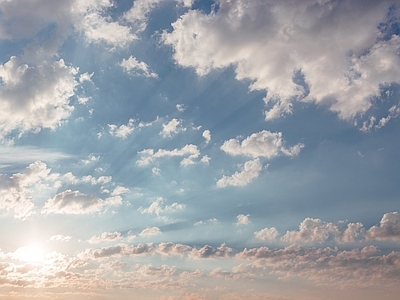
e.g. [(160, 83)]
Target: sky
[(199, 149)]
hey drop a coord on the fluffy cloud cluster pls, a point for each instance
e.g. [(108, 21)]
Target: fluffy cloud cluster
[(260, 144), (157, 207), (20, 191), (251, 169), (189, 153), (16, 191), (172, 127), (316, 231), (357, 267), (35, 96), (331, 53), (263, 144)]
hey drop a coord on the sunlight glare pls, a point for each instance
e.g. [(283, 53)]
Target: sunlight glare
[(32, 253)]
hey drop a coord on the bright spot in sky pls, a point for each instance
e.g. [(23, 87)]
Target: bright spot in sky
[(32, 253)]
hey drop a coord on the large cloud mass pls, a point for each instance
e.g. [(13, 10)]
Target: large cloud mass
[(335, 46)]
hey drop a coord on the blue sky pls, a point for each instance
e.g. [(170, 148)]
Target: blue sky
[(188, 149)]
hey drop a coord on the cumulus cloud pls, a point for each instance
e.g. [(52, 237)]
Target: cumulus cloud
[(267, 234), (89, 18), (150, 232), (388, 228), (134, 67), (16, 191), (356, 267), (105, 237), (75, 202), (251, 170), (35, 96), (207, 136), (242, 219), (311, 230), (149, 155), (171, 128), (122, 131), (211, 252), (157, 207), (261, 144), (274, 43)]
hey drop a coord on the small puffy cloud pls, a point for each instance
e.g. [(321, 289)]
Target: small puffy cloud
[(180, 107), (266, 234), (157, 207), (242, 219), (150, 232), (148, 155), (209, 221), (156, 171), (85, 77), (250, 171), (171, 128), (205, 159), (122, 131), (119, 190), (75, 202), (105, 237), (261, 144), (139, 68), (91, 159), (211, 252), (60, 238), (207, 136), (388, 228)]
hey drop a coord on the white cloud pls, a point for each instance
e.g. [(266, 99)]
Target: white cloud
[(60, 238), (33, 97), (157, 207), (242, 219), (266, 234), (271, 42), (91, 159), (180, 107), (85, 77), (75, 202), (251, 170), (311, 231), (205, 159), (156, 171), (16, 191), (122, 131), (27, 154), (261, 144), (139, 13), (171, 128), (105, 237), (134, 67), (147, 156), (88, 18), (207, 136), (388, 228), (150, 231), (211, 252), (209, 221)]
